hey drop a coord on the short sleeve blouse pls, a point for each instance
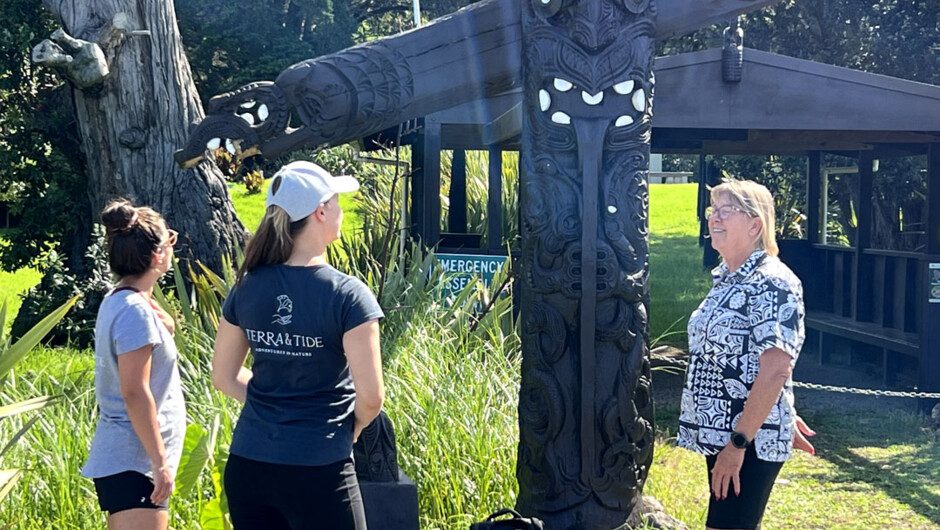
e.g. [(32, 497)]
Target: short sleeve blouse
[(757, 307)]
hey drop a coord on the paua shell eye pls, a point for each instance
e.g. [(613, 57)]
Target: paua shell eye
[(636, 6), (547, 8)]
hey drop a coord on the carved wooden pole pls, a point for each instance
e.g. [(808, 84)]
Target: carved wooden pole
[(585, 409)]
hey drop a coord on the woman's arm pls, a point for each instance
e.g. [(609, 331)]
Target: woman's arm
[(365, 364), (134, 375), (229, 374), (771, 376)]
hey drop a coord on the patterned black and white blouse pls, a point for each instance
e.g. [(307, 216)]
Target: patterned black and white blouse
[(757, 307)]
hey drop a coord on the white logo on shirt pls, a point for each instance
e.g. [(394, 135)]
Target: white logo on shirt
[(284, 309)]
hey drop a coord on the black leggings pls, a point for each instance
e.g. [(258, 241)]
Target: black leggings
[(743, 511), (273, 496)]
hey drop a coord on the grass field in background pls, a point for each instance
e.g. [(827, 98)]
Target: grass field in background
[(678, 282), (250, 206), (12, 285)]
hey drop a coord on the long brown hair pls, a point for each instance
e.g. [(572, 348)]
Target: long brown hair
[(132, 236), (272, 243)]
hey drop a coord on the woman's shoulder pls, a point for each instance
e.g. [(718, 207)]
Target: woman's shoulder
[(773, 270)]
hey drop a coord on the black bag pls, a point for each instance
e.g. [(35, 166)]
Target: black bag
[(517, 522)]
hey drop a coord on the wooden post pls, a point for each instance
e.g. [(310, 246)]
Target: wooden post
[(862, 271), (585, 410), (814, 223), (930, 334), (426, 185), (494, 201), (457, 217)]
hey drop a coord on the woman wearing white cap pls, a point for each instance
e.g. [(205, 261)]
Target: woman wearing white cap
[(312, 332)]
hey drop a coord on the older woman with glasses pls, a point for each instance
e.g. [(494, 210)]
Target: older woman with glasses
[(744, 339), (142, 419)]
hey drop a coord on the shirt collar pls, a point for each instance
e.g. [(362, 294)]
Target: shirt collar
[(720, 272)]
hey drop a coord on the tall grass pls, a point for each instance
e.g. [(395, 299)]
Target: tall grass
[(452, 379)]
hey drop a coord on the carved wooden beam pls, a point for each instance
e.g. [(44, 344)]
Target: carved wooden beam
[(473, 53)]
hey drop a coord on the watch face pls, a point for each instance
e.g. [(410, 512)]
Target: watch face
[(739, 440)]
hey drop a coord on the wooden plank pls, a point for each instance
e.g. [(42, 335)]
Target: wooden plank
[(814, 198), (877, 283), (506, 127), (865, 332), (862, 272), (494, 201), (457, 216), (930, 334), (426, 185)]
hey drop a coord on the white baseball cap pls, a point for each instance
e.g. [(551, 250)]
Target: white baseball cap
[(301, 187)]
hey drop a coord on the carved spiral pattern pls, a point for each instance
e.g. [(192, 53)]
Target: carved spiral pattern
[(587, 69)]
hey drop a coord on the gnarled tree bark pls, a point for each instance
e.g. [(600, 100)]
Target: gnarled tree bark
[(133, 121)]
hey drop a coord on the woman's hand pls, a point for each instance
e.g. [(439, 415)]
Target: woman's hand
[(162, 484), (799, 437), (727, 472)]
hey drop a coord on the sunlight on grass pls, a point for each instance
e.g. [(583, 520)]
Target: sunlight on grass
[(250, 206), (678, 282), (885, 474), (12, 285)]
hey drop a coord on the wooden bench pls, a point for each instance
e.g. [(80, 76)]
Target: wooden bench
[(890, 340)]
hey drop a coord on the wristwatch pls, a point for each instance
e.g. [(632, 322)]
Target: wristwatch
[(738, 440)]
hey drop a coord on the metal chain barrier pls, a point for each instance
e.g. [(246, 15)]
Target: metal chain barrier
[(828, 388)]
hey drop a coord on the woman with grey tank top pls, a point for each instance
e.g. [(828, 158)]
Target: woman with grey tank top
[(142, 418)]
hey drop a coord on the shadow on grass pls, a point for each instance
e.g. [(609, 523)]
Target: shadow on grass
[(907, 463)]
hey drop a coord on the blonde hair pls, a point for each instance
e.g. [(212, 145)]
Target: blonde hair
[(272, 243), (755, 200)]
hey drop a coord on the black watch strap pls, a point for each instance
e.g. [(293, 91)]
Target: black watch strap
[(739, 440)]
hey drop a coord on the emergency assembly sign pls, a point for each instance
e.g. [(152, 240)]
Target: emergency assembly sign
[(461, 269)]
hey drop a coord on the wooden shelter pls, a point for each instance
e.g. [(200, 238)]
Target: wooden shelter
[(875, 299)]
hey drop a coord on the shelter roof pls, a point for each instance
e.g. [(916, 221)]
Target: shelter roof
[(782, 105)]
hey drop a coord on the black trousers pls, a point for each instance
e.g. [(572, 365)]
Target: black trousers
[(746, 510), (267, 496)]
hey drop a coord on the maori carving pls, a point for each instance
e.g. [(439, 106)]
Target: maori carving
[(473, 53), (340, 96), (82, 62), (585, 410)]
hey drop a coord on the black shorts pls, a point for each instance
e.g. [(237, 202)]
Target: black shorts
[(743, 511), (267, 496), (125, 491)]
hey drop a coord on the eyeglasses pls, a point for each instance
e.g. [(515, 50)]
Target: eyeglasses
[(723, 212), (170, 240)]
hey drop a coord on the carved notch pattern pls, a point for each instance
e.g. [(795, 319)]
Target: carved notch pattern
[(585, 409)]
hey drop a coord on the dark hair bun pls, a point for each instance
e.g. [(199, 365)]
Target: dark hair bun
[(118, 215)]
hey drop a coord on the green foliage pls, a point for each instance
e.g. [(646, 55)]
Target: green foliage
[(10, 354), (58, 284), (233, 44), (477, 193), (41, 175)]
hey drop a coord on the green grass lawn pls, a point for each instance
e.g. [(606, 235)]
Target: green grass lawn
[(678, 282), (250, 206), (12, 285)]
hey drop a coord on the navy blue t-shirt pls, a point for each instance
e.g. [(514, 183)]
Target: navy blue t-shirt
[(299, 409)]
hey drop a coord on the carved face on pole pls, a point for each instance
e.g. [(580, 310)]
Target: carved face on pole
[(585, 407)]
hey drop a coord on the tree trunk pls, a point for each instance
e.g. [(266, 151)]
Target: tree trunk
[(139, 115)]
